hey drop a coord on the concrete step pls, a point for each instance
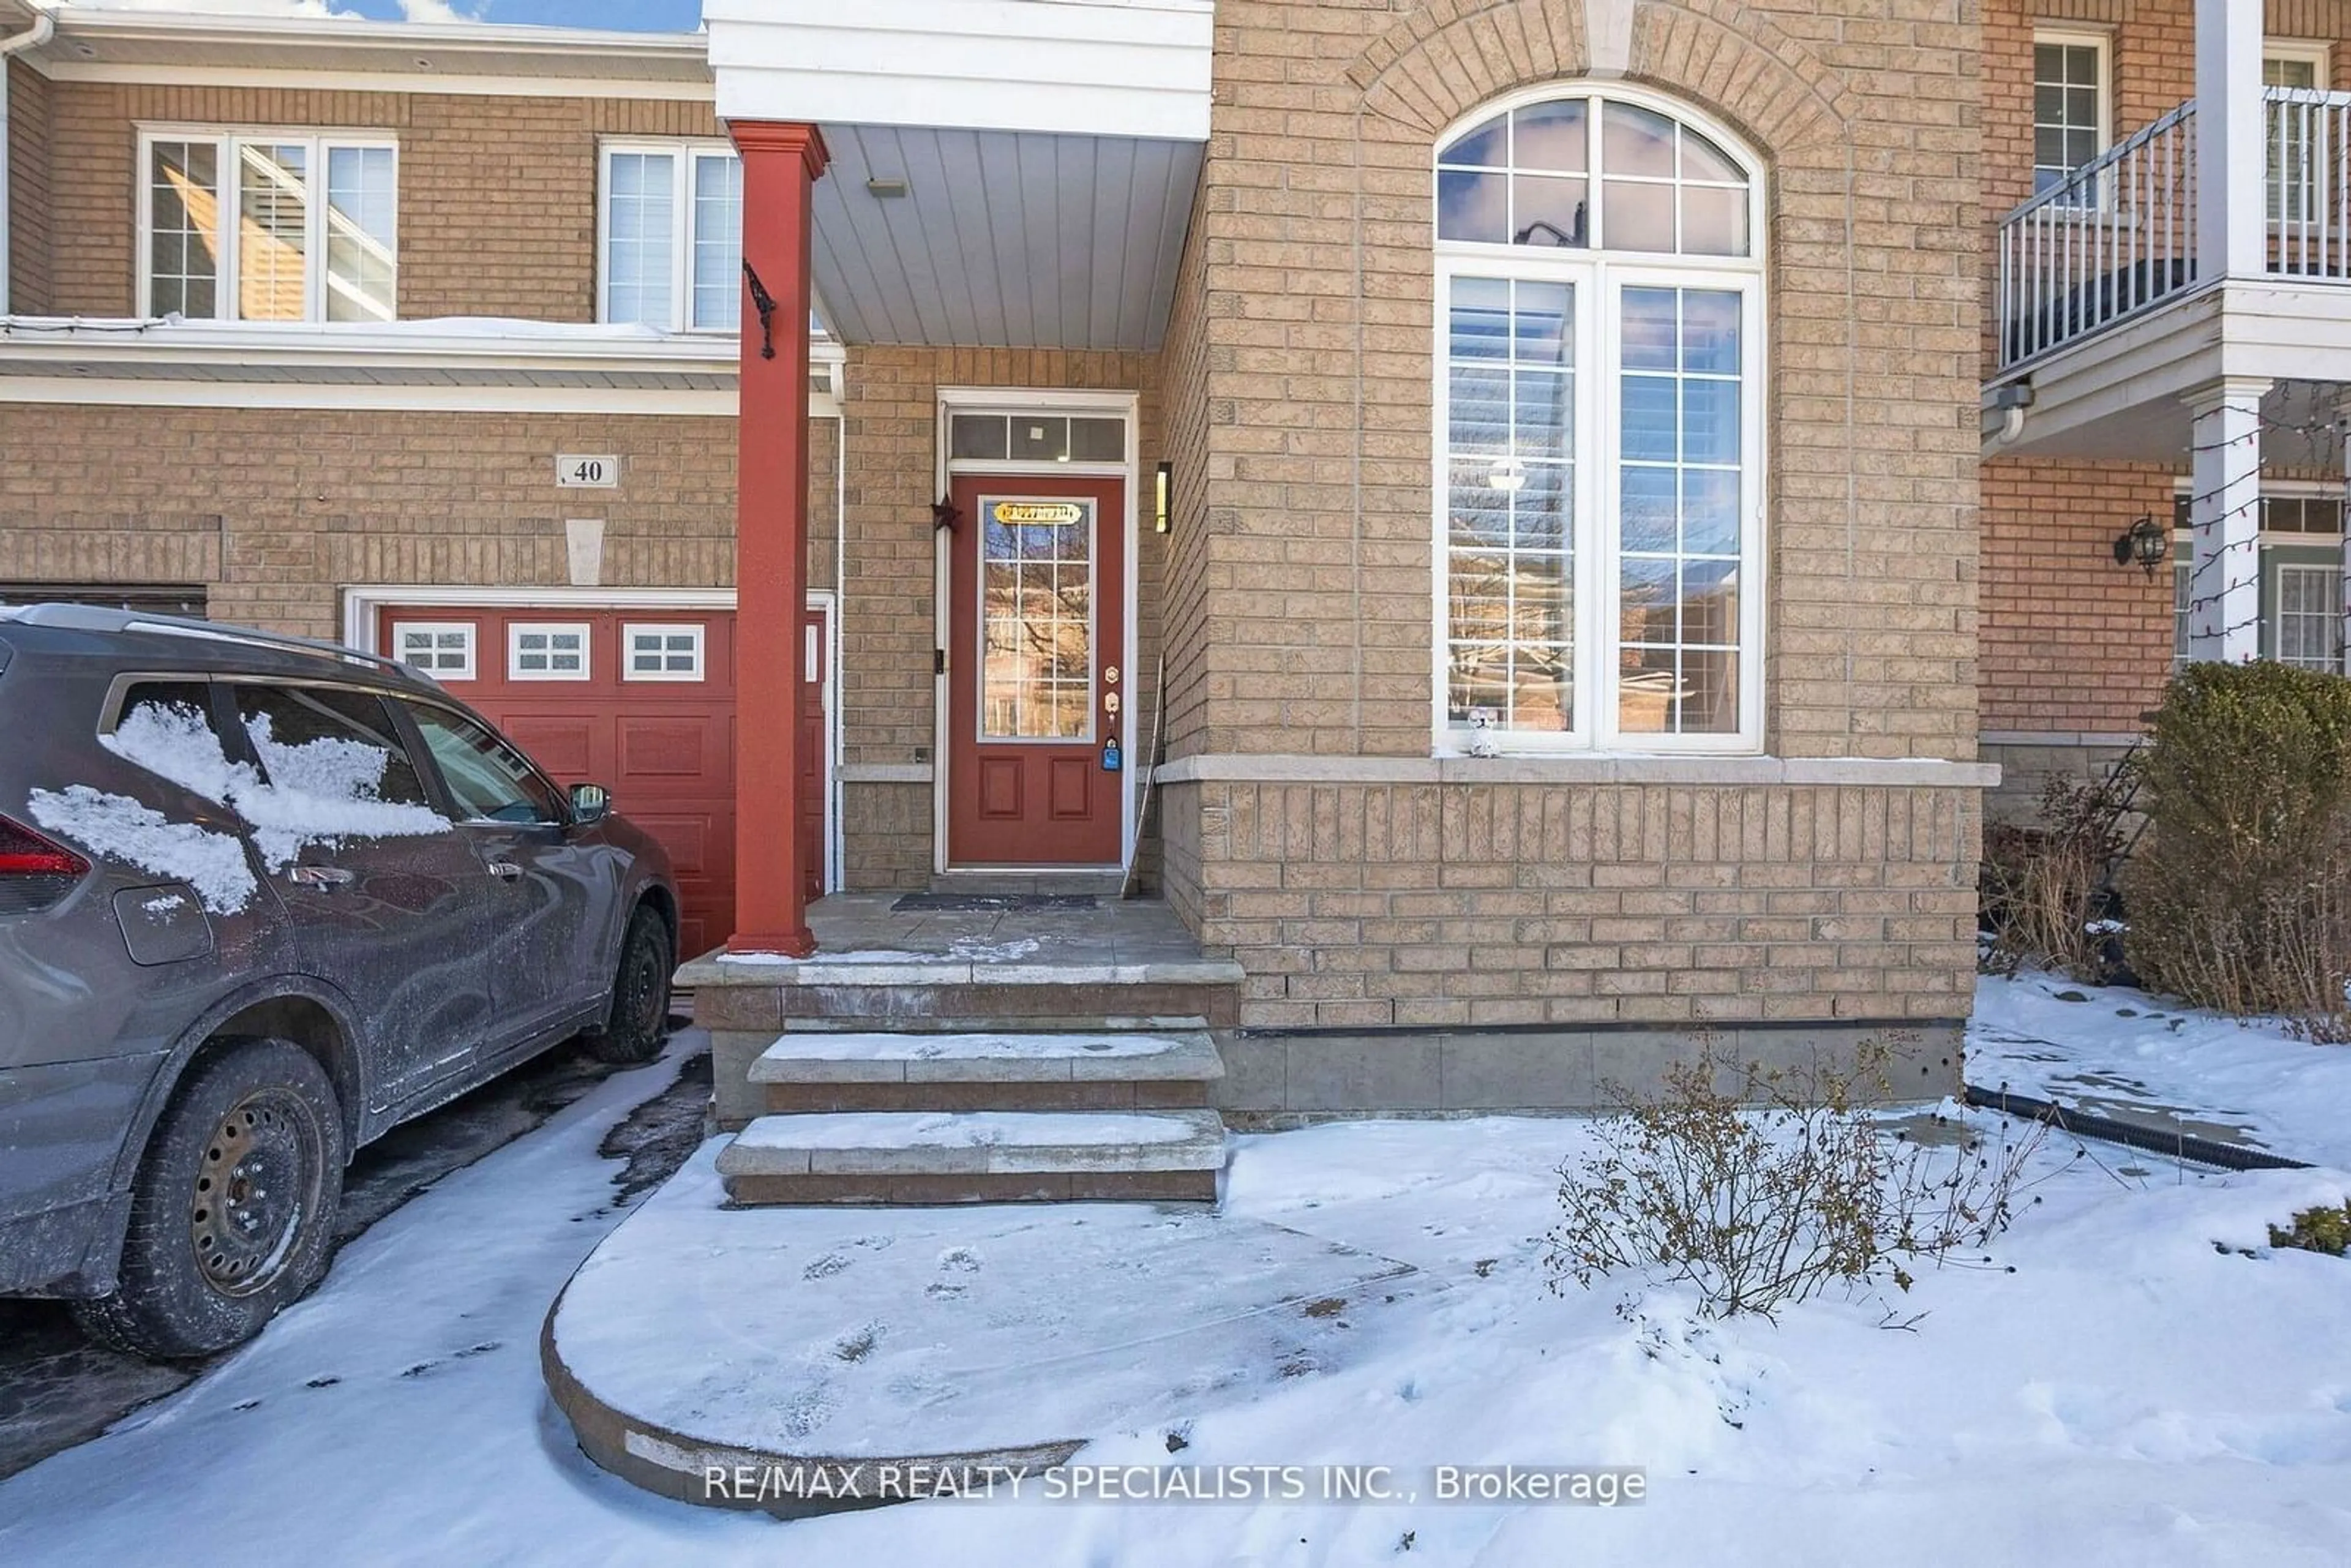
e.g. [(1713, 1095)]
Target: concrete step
[(975, 1157), (1097, 1069)]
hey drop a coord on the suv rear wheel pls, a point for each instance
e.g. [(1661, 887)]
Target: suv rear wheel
[(640, 1019), (233, 1207)]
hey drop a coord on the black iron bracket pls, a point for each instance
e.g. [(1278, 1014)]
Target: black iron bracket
[(765, 303)]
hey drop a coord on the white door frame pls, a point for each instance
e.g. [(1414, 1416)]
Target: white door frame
[(1128, 406), (364, 603)]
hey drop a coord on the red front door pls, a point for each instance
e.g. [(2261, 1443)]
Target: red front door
[(1037, 683)]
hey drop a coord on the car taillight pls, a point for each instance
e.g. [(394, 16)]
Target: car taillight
[(34, 872)]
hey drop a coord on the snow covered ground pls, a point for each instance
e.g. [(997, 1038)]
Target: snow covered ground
[(2120, 1383), (2120, 1051)]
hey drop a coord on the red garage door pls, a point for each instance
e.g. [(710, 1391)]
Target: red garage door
[(640, 701)]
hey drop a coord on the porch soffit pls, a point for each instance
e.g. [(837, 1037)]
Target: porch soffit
[(1032, 161)]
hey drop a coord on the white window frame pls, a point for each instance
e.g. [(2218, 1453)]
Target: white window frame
[(516, 630), (225, 141), (682, 154), (629, 634), (2331, 617), (2280, 212), (466, 672), (2103, 130), (2316, 53), (1596, 591)]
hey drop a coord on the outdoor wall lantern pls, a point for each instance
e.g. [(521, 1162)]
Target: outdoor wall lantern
[(2143, 544), (1162, 489)]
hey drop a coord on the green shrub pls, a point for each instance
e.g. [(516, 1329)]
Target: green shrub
[(2319, 1230), (2239, 897)]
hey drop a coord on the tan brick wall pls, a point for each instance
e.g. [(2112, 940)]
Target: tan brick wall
[(497, 195), (1299, 607), (27, 260), (2072, 643), (1316, 285), (1364, 905), (274, 510)]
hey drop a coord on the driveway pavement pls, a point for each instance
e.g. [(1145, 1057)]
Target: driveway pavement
[(56, 1389)]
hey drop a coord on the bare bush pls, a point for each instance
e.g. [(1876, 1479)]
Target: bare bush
[(2044, 888), (1763, 1188)]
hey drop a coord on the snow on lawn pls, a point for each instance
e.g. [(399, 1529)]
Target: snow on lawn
[(2110, 1049), (2121, 1385)]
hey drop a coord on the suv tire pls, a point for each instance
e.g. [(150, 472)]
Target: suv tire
[(233, 1207), (640, 1019)]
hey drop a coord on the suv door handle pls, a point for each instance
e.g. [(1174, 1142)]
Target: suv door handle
[(504, 870), (325, 877)]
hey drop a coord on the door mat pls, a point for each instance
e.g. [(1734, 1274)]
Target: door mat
[(989, 903)]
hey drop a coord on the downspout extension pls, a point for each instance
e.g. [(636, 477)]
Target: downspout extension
[(45, 23), (2012, 400)]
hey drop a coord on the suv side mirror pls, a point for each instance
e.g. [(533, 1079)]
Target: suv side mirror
[(590, 803)]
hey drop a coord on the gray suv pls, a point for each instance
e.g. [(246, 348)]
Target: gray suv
[(261, 899)]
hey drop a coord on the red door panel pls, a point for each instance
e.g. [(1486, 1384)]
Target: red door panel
[(1037, 573), (663, 746)]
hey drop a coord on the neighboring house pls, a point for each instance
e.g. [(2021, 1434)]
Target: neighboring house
[(2144, 390), (1535, 440)]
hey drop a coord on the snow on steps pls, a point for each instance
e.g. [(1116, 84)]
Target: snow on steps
[(976, 1156), (1189, 1056)]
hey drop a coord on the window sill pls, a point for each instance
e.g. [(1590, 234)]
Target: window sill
[(1580, 769)]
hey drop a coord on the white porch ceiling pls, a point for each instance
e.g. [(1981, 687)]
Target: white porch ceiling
[(1003, 238)]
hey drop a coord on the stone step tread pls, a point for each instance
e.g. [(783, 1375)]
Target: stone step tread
[(1003, 964), (917, 1142), (990, 1057)]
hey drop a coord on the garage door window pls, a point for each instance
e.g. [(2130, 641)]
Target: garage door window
[(661, 654), (441, 649), (548, 652)]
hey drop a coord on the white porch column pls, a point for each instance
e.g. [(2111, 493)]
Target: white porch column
[(2224, 584), (2232, 223)]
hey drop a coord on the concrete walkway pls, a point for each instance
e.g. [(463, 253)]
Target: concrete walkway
[(812, 1346)]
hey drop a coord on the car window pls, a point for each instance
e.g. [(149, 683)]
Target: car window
[(191, 696), (489, 778), (329, 741)]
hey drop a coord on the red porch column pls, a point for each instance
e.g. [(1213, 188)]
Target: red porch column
[(782, 162)]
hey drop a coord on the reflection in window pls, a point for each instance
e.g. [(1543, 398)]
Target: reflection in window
[(270, 228), (1036, 680), (1627, 582), (1526, 177)]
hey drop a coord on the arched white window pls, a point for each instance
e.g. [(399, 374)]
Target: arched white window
[(1599, 429)]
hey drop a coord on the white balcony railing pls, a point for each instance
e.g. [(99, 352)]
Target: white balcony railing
[(2118, 237), (2113, 238)]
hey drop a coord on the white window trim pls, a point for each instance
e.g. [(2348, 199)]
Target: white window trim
[(401, 629), (2104, 43), (1598, 609), (515, 630), (2318, 53), (2274, 621), (681, 153), (314, 261), (628, 631)]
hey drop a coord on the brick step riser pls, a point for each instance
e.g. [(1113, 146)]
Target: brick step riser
[(1051, 1186), (1113, 1095)]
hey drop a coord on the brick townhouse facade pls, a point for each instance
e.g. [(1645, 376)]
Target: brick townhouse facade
[(1551, 448)]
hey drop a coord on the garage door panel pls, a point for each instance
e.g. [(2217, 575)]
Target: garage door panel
[(563, 744), (665, 748)]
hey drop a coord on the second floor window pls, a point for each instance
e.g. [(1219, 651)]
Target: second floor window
[(670, 237), (268, 226), (2069, 106)]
